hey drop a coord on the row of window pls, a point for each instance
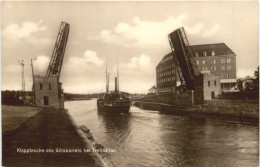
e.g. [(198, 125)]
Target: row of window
[(167, 59), (170, 79), (205, 53), (41, 86), (165, 67), (165, 89), (214, 61), (166, 73), (215, 83), (224, 68), (226, 75), (214, 68)]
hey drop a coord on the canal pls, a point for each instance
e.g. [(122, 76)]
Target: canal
[(145, 138)]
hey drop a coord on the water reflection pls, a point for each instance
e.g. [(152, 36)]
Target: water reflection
[(117, 127), (182, 143), (148, 138), (206, 142)]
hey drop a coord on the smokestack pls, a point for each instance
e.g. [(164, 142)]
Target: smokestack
[(116, 84), (107, 81)]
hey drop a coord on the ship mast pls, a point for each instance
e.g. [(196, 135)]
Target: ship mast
[(107, 79), (117, 74), (117, 78)]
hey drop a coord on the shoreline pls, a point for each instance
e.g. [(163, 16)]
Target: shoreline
[(243, 110), (43, 133)]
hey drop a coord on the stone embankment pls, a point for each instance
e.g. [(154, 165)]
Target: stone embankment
[(248, 109), (49, 138)]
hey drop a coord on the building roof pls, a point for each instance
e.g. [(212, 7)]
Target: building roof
[(154, 87), (166, 56), (218, 48)]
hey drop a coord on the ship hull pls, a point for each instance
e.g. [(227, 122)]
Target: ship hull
[(114, 109)]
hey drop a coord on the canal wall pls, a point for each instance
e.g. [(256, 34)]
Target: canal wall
[(229, 108), (50, 138), (181, 98), (88, 139)]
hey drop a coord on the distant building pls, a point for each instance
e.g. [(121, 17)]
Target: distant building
[(166, 75), (48, 92), (216, 59), (152, 91)]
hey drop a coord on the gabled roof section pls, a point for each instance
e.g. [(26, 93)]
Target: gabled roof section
[(218, 48)]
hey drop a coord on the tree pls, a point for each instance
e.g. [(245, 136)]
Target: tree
[(249, 86), (239, 84), (256, 74), (256, 80)]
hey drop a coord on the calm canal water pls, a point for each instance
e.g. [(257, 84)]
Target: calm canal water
[(145, 138)]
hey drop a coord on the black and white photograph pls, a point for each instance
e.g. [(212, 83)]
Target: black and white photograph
[(130, 83)]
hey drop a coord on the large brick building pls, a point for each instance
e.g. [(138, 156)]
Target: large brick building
[(166, 75), (216, 59)]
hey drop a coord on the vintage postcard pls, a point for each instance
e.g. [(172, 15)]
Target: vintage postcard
[(130, 83)]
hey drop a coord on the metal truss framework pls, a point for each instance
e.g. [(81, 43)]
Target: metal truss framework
[(59, 51), (179, 43)]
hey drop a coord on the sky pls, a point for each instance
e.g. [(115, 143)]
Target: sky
[(135, 32)]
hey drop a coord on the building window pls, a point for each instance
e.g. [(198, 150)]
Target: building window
[(213, 53), (227, 75), (49, 86), (204, 53), (41, 86), (222, 60), (209, 83), (204, 61), (197, 62), (215, 83), (222, 68), (228, 67), (196, 54), (228, 60), (205, 68), (213, 68), (214, 61)]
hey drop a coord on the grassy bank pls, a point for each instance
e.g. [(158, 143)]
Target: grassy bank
[(14, 116), (49, 129)]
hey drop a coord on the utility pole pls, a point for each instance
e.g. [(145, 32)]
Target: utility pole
[(117, 73), (23, 82), (33, 91), (106, 78)]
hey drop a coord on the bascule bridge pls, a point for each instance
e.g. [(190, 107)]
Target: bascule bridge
[(201, 86), (47, 89)]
